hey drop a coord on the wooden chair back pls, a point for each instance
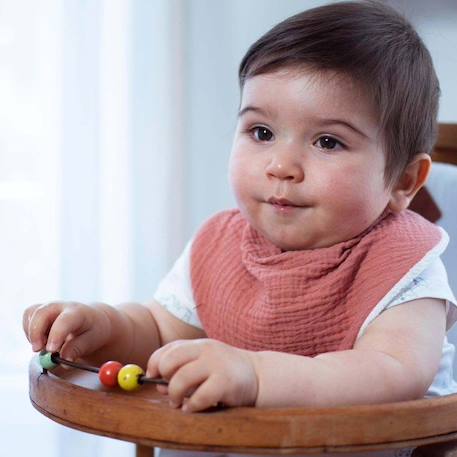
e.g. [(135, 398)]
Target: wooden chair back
[(446, 145), (445, 151)]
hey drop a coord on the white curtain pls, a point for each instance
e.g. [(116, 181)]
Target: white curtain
[(30, 80), (90, 176)]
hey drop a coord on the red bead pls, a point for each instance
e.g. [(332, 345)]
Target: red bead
[(108, 373)]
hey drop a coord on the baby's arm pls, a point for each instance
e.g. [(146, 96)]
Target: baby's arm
[(99, 332), (396, 359)]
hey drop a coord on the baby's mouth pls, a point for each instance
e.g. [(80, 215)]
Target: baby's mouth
[(283, 202)]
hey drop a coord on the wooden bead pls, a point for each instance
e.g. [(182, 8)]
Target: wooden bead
[(108, 373), (128, 377), (46, 360)]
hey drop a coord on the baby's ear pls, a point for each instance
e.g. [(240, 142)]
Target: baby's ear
[(411, 180)]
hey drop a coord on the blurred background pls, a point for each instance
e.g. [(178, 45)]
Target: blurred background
[(116, 120)]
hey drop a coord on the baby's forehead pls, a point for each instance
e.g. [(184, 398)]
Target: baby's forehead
[(323, 92), (311, 79)]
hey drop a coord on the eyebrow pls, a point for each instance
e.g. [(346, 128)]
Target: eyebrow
[(323, 122), (255, 109), (344, 123)]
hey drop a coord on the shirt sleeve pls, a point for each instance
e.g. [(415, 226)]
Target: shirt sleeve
[(174, 292), (432, 282)]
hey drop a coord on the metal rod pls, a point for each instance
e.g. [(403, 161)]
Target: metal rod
[(55, 357), (144, 380)]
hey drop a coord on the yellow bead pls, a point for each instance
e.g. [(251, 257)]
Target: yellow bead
[(128, 377)]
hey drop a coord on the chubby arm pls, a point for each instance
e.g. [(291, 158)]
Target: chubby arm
[(99, 332), (396, 359), (143, 329)]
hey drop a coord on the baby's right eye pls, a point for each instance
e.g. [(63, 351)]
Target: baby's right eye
[(262, 134)]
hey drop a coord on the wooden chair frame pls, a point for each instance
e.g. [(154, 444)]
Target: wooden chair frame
[(75, 398), (446, 145)]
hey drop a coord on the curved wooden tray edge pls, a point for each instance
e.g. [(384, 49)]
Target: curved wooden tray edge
[(284, 431)]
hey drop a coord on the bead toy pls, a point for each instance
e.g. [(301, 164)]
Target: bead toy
[(111, 374)]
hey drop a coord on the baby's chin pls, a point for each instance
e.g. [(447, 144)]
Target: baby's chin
[(289, 237), (294, 242), (289, 242)]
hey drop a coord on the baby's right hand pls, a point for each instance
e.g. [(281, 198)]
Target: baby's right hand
[(73, 329)]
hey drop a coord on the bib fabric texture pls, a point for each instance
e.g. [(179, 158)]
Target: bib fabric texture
[(251, 295)]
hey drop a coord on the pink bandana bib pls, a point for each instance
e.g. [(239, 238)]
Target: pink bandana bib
[(251, 295)]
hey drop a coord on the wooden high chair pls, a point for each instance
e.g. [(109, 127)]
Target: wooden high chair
[(75, 398)]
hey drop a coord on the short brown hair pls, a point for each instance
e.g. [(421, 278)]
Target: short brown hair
[(375, 46)]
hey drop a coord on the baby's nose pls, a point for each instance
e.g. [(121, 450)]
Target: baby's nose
[(285, 167)]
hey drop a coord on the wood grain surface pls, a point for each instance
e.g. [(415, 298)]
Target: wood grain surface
[(76, 399)]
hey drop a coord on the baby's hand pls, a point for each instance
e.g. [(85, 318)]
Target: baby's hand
[(73, 329), (207, 371)]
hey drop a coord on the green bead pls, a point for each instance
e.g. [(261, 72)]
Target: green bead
[(46, 360)]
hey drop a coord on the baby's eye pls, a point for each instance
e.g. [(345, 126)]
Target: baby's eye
[(262, 134), (328, 142)]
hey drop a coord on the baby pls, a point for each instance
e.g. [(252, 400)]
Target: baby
[(321, 288)]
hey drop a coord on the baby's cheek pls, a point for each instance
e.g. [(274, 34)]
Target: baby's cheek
[(233, 171), (235, 183), (361, 205), (350, 187), (241, 177), (329, 189), (350, 197)]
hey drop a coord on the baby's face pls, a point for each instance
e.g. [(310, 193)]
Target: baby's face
[(307, 164)]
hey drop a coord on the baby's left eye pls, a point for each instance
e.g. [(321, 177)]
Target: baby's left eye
[(328, 142)]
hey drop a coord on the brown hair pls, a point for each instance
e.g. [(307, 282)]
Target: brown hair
[(375, 46)]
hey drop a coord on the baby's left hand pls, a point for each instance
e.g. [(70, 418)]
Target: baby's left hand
[(207, 372)]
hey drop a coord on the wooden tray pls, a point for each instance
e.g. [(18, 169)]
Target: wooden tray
[(76, 398)]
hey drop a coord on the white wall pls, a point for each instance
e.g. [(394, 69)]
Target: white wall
[(436, 23)]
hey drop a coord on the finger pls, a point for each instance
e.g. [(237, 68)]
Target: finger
[(69, 322), (169, 358), (78, 346), (26, 319), (162, 389), (207, 395), (158, 353), (185, 381), (40, 323), (63, 355), (152, 367)]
